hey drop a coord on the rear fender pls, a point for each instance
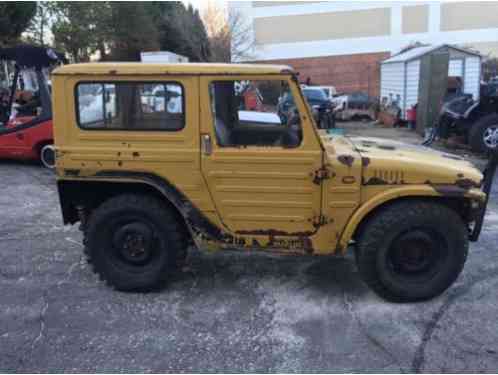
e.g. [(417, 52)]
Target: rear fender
[(78, 191)]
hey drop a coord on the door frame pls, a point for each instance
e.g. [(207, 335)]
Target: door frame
[(310, 147)]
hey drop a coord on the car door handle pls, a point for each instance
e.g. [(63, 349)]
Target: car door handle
[(207, 146), (20, 136)]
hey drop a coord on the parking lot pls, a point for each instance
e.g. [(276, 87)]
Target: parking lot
[(229, 312)]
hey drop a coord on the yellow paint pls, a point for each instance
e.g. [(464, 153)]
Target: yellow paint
[(250, 192)]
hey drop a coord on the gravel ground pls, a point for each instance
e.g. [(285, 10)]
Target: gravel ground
[(230, 313)]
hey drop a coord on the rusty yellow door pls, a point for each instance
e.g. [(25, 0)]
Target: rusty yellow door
[(260, 189)]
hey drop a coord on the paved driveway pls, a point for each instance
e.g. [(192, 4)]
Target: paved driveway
[(232, 312)]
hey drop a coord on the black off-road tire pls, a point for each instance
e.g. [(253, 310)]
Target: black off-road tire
[(120, 216), (381, 252), (477, 130)]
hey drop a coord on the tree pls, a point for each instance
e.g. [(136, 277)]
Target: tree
[(121, 30), (241, 36), (215, 21), (181, 30), (230, 35), (75, 29), (38, 29), (14, 19), (131, 29)]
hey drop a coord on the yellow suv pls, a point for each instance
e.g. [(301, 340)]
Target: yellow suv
[(153, 157)]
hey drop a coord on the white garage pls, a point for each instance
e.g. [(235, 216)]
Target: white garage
[(400, 74)]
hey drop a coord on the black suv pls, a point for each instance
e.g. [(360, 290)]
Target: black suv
[(323, 109), (476, 120)]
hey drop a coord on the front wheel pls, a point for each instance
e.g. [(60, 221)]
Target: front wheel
[(412, 251), (47, 156), (483, 135)]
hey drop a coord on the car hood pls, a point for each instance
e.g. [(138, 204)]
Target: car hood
[(392, 162)]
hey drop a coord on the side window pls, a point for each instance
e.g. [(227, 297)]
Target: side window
[(254, 113), (130, 106), (27, 97)]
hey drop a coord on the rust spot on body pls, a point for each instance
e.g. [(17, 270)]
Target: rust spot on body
[(72, 172), (375, 181), (272, 233), (386, 147), (346, 160), (449, 190), (303, 241), (466, 183)]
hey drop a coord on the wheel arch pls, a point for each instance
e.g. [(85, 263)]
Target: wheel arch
[(39, 145), (90, 193), (454, 197)]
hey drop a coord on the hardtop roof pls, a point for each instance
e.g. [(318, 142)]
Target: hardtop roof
[(139, 68), (30, 56), (416, 52)]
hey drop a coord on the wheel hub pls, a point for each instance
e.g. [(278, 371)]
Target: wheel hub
[(414, 252), (134, 242)]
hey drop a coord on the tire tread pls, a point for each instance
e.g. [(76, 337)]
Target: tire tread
[(177, 241), (374, 232)]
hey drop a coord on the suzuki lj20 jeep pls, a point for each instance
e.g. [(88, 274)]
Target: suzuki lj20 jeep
[(153, 157)]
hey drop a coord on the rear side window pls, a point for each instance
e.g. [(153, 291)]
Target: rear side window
[(130, 106)]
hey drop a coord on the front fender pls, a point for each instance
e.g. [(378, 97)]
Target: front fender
[(390, 195)]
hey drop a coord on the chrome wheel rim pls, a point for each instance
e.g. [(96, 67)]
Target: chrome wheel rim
[(490, 136)]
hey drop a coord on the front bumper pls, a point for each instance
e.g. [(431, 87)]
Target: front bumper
[(489, 174)]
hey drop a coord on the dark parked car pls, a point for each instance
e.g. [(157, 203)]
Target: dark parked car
[(319, 103), (477, 121)]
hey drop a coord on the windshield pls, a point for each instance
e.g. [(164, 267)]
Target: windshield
[(314, 94)]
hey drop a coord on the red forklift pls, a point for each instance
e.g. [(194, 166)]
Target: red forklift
[(26, 105)]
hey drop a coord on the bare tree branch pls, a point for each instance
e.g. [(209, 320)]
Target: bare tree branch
[(230, 35)]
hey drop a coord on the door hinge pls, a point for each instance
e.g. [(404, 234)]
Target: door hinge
[(321, 174), (319, 220)]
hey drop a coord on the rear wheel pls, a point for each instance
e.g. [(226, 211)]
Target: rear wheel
[(412, 251), (133, 242), (483, 135), (47, 156)]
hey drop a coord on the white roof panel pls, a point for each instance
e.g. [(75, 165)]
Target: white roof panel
[(420, 51)]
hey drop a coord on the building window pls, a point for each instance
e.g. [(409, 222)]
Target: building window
[(130, 106)]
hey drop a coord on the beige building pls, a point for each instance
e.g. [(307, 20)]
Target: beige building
[(342, 43)]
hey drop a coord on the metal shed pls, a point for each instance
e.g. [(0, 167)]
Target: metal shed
[(400, 74)]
